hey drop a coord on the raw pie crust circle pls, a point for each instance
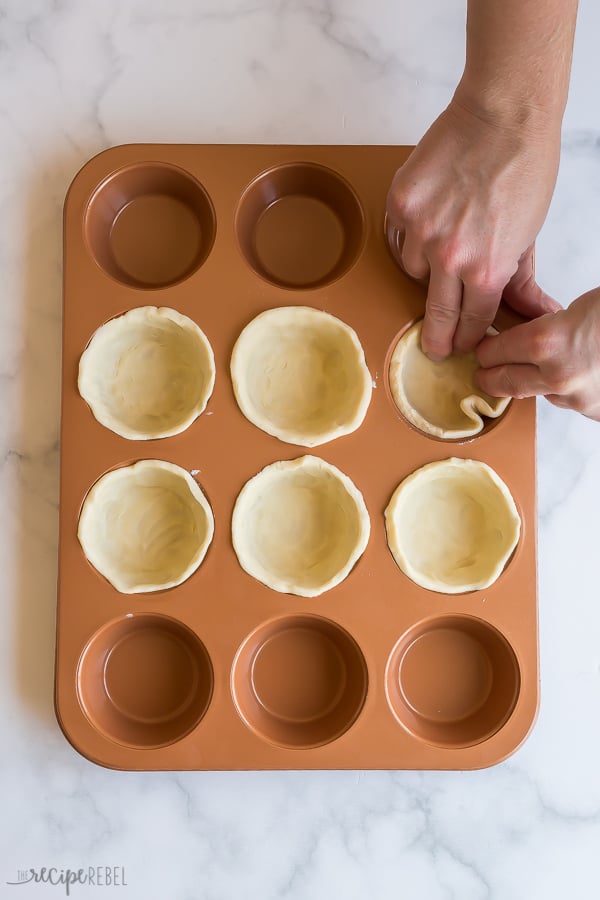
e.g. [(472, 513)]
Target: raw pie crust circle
[(148, 373), (299, 526), (439, 398), (452, 526), (300, 375), (146, 527)]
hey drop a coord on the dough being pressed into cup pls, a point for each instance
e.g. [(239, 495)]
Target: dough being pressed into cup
[(299, 526), (439, 398), (148, 373), (452, 526), (300, 375), (146, 527)]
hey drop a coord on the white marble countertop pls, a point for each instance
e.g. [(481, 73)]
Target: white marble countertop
[(76, 77)]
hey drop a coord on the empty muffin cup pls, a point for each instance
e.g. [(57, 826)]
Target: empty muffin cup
[(150, 225), (300, 225), (440, 398), (148, 373), (453, 681), (145, 527), (452, 526), (144, 681), (299, 526), (300, 375), (299, 682)]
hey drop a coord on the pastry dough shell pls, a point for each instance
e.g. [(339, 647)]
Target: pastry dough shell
[(452, 526), (439, 398), (299, 526), (300, 375), (146, 527), (148, 373)]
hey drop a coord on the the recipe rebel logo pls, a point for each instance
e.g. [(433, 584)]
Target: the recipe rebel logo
[(94, 876)]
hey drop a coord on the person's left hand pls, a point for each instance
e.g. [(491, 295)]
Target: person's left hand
[(556, 355)]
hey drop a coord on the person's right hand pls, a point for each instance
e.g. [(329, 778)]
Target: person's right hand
[(557, 356), (468, 205)]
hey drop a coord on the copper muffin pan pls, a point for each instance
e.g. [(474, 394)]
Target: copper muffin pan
[(221, 672)]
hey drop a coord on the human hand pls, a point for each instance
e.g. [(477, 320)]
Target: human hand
[(469, 203), (557, 355)]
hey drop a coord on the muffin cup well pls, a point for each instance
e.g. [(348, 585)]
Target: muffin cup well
[(144, 680), (299, 681), (453, 681), (300, 225), (150, 225)]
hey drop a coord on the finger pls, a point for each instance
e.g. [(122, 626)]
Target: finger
[(559, 400), (524, 294), (442, 310), (511, 381), (477, 313), (578, 402), (520, 344), (414, 261)]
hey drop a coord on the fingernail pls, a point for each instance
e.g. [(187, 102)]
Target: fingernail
[(434, 357)]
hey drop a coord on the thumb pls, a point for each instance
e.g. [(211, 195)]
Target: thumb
[(524, 294)]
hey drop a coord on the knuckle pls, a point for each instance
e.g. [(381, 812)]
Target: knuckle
[(486, 279), (450, 256), (437, 312), (543, 345), (477, 317), (401, 208), (509, 386)]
